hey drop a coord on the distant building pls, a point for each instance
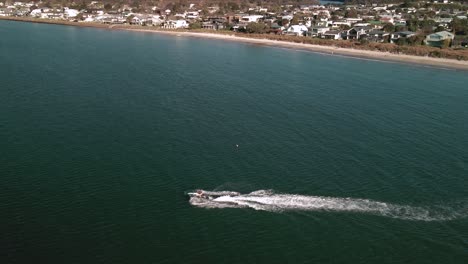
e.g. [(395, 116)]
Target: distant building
[(298, 30), (402, 34), (252, 18), (175, 24), (333, 34), (437, 39)]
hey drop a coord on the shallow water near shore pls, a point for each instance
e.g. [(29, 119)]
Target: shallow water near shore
[(336, 160)]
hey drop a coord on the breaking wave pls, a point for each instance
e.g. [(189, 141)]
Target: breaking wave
[(267, 200)]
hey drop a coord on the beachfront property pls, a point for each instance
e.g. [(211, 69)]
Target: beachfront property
[(402, 24), (394, 37), (297, 30), (175, 24), (439, 39)]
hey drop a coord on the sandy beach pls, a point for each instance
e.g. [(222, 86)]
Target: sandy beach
[(357, 53), (367, 54)]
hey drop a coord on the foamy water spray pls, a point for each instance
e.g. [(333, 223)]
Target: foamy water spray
[(267, 200)]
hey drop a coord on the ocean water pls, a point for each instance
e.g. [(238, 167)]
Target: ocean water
[(338, 160)]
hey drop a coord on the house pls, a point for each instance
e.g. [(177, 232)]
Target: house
[(297, 30), (275, 29), (439, 38), (318, 31), (143, 20), (387, 20), (4, 12), (338, 24), (400, 22), (70, 13), (192, 15), (180, 16), (175, 24), (213, 24), (353, 20), (376, 35), (35, 12), (332, 34), (356, 33), (252, 18), (402, 34)]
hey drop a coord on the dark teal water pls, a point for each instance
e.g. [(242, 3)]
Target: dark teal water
[(102, 133)]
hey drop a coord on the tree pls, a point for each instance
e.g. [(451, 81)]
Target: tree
[(129, 19), (415, 40), (295, 20), (322, 15), (401, 28), (413, 24), (446, 43), (352, 13), (257, 28), (232, 6), (439, 28), (195, 25), (459, 26), (204, 12), (82, 6), (337, 13), (427, 26), (401, 41), (79, 17), (389, 27)]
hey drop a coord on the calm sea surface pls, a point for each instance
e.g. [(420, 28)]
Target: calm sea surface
[(103, 132)]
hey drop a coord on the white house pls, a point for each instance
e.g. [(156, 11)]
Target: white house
[(175, 24), (337, 24), (157, 20), (353, 20), (298, 30), (180, 16), (252, 18), (192, 15), (70, 13), (318, 31), (36, 12), (322, 13)]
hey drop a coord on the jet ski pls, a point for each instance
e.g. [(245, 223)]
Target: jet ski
[(202, 194)]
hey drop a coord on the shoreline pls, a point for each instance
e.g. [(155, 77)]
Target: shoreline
[(439, 63), (331, 50)]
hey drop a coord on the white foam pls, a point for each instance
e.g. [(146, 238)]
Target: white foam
[(267, 200)]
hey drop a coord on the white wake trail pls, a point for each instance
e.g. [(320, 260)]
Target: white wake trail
[(269, 201)]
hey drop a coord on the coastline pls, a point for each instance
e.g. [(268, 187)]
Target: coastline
[(354, 53), (332, 50)]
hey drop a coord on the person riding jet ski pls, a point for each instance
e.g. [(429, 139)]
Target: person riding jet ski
[(202, 194)]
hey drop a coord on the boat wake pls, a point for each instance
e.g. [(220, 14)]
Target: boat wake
[(267, 200)]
